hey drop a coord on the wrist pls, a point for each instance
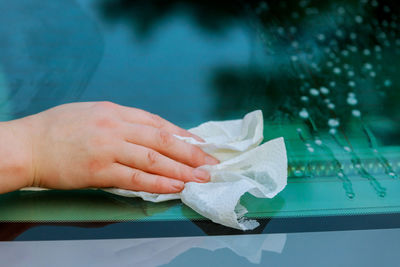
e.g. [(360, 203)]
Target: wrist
[(16, 164)]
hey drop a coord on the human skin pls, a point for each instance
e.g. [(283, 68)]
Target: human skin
[(98, 144)]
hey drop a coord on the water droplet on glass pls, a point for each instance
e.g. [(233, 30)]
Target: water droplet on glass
[(366, 52), (386, 43), (339, 33), (337, 70), (368, 66), (310, 149), (321, 37), (318, 142), (382, 35), (358, 19), (324, 90), (356, 113), (294, 58), (333, 123), (351, 83), (332, 84), (353, 48), (352, 101), (372, 74), (304, 98), (345, 53), (314, 92), (386, 9), (350, 73), (298, 173), (332, 131), (348, 149), (387, 83), (303, 113), (331, 106)]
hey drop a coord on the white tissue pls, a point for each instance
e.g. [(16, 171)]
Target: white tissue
[(245, 167)]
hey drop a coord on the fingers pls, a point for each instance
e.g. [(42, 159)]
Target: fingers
[(124, 177), (168, 145), (138, 116), (151, 161)]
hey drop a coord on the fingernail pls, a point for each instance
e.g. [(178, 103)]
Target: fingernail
[(201, 175), (210, 160), (177, 185)]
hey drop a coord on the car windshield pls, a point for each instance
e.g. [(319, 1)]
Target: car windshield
[(324, 73)]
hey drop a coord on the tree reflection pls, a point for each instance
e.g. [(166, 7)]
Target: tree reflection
[(144, 16), (331, 59)]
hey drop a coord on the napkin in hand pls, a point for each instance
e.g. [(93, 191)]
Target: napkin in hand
[(245, 166)]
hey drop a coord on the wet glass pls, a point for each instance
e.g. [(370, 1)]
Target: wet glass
[(324, 73)]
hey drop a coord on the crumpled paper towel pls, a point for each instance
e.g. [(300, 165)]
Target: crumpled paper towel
[(244, 167)]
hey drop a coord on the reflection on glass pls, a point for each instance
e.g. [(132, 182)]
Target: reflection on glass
[(340, 248), (46, 59), (144, 252)]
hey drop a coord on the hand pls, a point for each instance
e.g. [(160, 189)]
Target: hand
[(102, 144)]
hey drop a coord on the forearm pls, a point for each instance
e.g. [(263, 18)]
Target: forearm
[(15, 155)]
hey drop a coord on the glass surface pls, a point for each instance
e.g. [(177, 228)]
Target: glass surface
[(324, 73), (340, 248)]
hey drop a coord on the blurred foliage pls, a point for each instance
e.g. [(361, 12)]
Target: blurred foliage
[(144, 16), (349, 47)]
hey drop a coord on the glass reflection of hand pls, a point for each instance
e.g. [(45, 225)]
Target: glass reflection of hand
[(98, 144)]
